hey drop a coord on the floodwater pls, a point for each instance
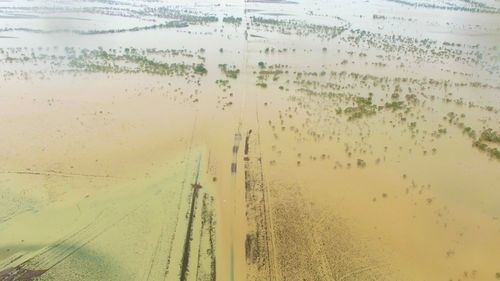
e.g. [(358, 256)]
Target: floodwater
[(355, 140)]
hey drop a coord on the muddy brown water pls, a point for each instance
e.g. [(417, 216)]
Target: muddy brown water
[(291, 189)]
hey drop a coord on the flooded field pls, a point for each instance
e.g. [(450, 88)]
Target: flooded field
[(250, 140)]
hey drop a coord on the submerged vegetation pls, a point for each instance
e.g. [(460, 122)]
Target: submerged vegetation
[(229, 71), (200, 69), (102, 61), (171, 24), (232, 20), (489, 141), (363, 108), (298, 28), (124, 60)]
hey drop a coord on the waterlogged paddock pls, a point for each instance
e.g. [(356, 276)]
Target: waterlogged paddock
[(249, 140)]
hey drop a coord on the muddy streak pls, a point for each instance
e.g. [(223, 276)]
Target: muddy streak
[(205, 248), (211, 249), (328, 251), (189, 234), (56, 173), (258, 240), (183, 185)]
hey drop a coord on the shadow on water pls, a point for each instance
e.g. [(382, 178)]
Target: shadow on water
[(22, 263)]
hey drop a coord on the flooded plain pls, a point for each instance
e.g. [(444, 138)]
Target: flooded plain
[(250, 140)]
